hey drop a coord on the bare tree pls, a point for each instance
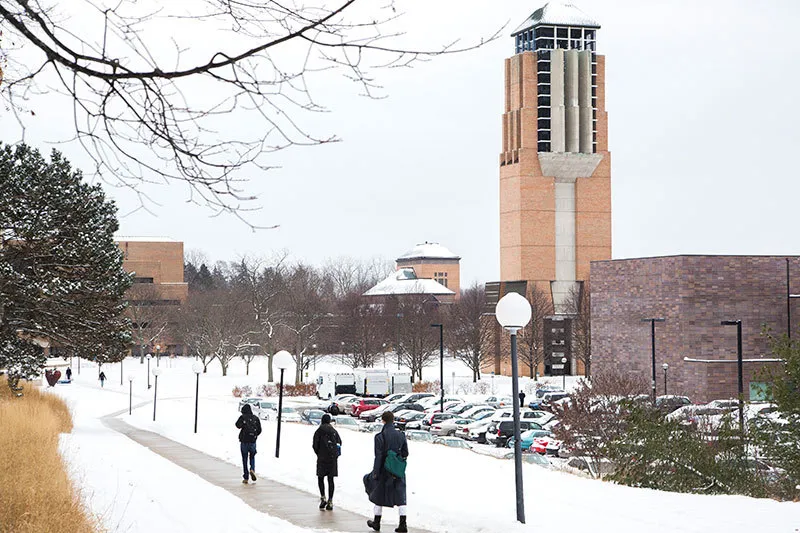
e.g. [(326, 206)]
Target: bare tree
[(150, 316), (150, 106), (465, 332), (262, 283), (531, 337), (350, 275), (305, 311), (418, 343), (361, 326), (579, 305)]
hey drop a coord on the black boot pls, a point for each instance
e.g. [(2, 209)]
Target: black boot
[(322, 503), (402, 528), (375, 523), (329, 506)]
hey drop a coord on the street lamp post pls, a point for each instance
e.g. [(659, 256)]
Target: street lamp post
[(282, 360), (156, 373), (120, 371), (513, 312), (148, 356), (441, 364), (665, 366), (130, 395), (653, 344), (454, 382), (564, 374), (158, 355), (738, 324), (197, 367)]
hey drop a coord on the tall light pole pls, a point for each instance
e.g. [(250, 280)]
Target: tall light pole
[(653, 344), (282, 360), (665, 366), (130, 395), (513, 312), (148, 356), (738, 324), (564, 374), (197, 368), (156, 373), (120, 371), (158, 355), (441, 363)]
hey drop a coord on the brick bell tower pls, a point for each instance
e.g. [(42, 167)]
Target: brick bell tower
[(555, 167)]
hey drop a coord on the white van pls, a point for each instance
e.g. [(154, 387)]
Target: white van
[(401, 383), (330, 384), (372, 381)]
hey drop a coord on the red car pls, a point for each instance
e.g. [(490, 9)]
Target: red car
[(365, 404), (545, 445)]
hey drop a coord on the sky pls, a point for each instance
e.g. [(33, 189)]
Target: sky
[(702, 132)]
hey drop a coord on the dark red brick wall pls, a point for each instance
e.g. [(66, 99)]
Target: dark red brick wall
[(693, 293)]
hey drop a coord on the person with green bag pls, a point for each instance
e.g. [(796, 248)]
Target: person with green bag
[(386, 484)]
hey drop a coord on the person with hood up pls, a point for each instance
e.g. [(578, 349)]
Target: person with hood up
[(327, 444), (384, 488), (250, 429)]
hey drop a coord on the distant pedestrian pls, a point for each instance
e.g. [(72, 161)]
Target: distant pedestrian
[(102, 379), (384, 488), (521, 399), (250, 427), (327, 445), (334, 409), (69, 374)]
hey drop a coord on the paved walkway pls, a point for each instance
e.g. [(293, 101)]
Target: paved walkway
[(266, 495)]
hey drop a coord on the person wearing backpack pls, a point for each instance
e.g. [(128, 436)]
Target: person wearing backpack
[(250, 429), (327, 444), (387, 489)]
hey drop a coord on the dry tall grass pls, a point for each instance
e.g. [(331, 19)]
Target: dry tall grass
[(36, 495)]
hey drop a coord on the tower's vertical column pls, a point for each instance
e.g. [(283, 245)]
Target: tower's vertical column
[(585, 100), (571, 100), (557, 133)]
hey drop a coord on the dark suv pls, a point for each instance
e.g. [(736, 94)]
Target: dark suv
[(498, 433)]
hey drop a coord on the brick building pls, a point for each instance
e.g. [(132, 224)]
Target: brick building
[(693, 294), (555, 167), (427, 269), (158, 288)]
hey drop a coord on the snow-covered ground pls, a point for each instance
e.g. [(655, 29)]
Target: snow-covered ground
[(450, 490)]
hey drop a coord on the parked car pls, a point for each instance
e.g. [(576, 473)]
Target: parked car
[(365, 404), (290, 414), (551, 397), (540, 417), (536, 459), (414, 397), (526, 438), (432, 418), (538, 396), (422, 436), (669, 403), (344, 403), (266, 409), (698, 416), (311, 416), (476, 431), (731, 403), (460, 408), (499, 401), (477, 410), (498, 433), (394, 397), (409, 417), (452, 442), (371, 427), (435, 407), (252, 401), (546, 445), (347, 422), (374, 414), (449, 427)]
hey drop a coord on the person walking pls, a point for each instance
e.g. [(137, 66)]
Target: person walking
[(384, 488), (250, 428), (102, 379), (327, 445), (333, 409), (521, 399), (69, 374)]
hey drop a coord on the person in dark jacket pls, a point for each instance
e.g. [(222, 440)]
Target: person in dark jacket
[(521, 399), (333, 409), (384, 489), (102, 379), (326, 445), (69, 374), (250, 429)]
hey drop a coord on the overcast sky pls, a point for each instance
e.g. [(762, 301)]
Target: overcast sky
[(704, 122)]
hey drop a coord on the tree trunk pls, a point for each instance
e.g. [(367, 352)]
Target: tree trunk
[(247, 367), (475, 376), (270, 377)]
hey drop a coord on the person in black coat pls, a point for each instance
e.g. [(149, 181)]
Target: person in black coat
[(102, 379), (69, 374), (326, 445), (384, 489), (250, 429)]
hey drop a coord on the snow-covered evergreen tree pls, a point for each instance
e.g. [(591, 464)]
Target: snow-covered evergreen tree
[(61, 276)]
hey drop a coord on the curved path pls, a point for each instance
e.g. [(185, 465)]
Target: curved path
[(266, 495)]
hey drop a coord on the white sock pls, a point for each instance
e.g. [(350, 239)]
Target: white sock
[(402, 509), (378, 510)]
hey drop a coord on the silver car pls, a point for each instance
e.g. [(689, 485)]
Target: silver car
[(449, 427)]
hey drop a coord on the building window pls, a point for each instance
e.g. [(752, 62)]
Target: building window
[(143, 280), (440, 277)]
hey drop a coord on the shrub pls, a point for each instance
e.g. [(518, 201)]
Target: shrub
[(427, 386), (237, 391), (480, 387), (302, 389), (36, 494), (268, 390)]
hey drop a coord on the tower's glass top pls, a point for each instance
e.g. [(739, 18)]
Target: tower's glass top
[(556, 25)]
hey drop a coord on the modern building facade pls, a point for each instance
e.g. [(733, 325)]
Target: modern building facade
[(693, 294), (427, 269), (555, 166)]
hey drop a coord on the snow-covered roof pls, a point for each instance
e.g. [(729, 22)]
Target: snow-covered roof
[(558, 14), (405, 281), (129, 238), (428, 250)]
